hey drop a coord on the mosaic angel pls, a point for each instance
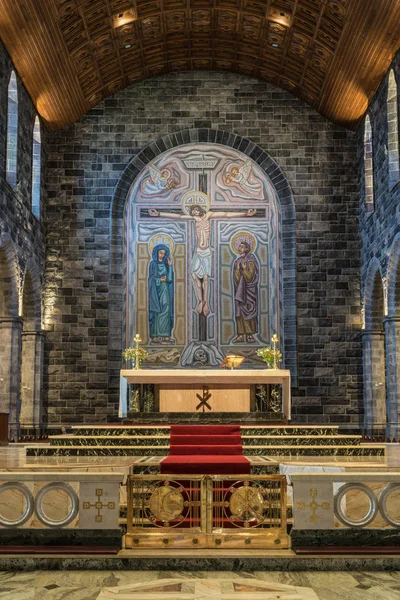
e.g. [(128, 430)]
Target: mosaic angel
[(158, 181), (242, 176)]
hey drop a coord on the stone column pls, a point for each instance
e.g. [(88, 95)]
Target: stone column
[(31, 380), (10, 363), (392, 342), (374, 380)]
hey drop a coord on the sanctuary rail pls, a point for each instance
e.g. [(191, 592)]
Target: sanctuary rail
[(211, 511)]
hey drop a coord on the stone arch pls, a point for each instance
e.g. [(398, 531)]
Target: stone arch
[(32, 297), (375, 410), (117, 235), (10, 333), (393, 279), (374, 296), (393, 129), (9, 278), (392, 340)]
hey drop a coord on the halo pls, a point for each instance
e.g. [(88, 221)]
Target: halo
[(194, 197), (243, 236), (161, 238)]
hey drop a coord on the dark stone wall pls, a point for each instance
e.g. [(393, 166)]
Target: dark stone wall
[(16, 218), (379, 227), (86, 161)]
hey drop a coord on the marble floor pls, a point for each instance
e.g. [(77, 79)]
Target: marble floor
[(179, 585)]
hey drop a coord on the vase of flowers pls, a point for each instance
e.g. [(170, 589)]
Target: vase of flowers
[(271, 356), (135, 354)]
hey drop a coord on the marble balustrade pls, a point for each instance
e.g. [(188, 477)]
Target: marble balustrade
[(66, 500), (354, 500)]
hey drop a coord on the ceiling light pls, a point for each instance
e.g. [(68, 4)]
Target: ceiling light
[(122, 18)]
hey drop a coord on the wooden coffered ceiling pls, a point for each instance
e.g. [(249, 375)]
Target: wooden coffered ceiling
[(72, 53)]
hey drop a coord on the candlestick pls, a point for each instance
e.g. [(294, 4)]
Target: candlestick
[(275, 341)]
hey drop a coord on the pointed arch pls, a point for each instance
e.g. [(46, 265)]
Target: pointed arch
[(393, 130), (32, 297), (368, 165), (374, 297), (9, 278), (12, 131), (36, 167)]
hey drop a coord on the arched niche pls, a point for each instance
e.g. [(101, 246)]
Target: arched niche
[(30, 417), (374, 351), (392, 339), (136, 173)]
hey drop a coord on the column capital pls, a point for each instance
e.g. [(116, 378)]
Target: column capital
[(372, 332), (391, 320), (11, 320), (33, 332)]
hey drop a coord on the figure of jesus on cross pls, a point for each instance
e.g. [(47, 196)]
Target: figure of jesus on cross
[(201, 260)]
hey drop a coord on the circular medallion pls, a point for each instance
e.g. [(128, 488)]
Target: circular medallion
[(341, 515), (246, 504), (166, 503), (12, 490), (243, 236), (383, 502), (61, 489), (195, 198)]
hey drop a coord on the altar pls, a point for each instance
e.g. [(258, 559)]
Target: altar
[(210, 390)]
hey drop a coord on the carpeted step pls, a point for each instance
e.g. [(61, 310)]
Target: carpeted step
[(207, 430), (206, 440), (205, 465), (211, 450)]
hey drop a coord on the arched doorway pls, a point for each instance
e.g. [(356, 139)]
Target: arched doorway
[(32, 353), (10, 335), (375, 417)]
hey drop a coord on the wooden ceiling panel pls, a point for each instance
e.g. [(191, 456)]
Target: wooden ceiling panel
[(72, 53)]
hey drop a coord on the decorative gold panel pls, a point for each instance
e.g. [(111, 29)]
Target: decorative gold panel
[(207, 511)]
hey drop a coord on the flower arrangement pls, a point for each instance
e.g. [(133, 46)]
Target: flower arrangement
[(271, 356), (136, 354)]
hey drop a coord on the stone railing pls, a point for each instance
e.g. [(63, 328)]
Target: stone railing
[(352, 500), (77, 501)]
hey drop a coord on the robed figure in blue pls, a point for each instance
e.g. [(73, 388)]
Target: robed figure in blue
[(161, 295)]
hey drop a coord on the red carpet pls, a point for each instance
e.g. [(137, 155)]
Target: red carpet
[(205, 449)]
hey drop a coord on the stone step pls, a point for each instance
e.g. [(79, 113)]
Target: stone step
[(151, 430), (277, 450), (163, 440)]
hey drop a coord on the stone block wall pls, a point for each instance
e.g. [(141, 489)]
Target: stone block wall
[(379, 227), (86, 161), (22, 246), (380, 269), (16, 218)]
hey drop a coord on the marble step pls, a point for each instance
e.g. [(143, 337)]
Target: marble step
[(198, 418), (151, 430), (163, 440), (276, 450)]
